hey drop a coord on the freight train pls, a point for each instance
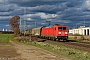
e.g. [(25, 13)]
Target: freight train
[(56, 32)]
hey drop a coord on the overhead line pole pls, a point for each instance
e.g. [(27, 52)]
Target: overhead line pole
[(35, 23), (24, 21), (20, 26), (84, 22), (48, 22)]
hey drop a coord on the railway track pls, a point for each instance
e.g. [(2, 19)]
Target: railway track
[(81, 44), (70, 43), (78, 45)]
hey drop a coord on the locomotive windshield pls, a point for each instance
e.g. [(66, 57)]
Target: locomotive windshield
[(62, 28)]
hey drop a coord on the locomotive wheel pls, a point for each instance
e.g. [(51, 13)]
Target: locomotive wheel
[(65, 40), (58, 39), (54, 39)]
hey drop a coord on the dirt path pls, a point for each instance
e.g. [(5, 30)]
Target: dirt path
[(19, 51)]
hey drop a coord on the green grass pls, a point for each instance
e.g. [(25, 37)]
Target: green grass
[(79, 38), (4, 38), (71, 53)]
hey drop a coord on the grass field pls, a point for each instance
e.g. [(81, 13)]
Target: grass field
[(72, 53), (4, 38)]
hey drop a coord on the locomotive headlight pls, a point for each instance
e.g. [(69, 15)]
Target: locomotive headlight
[(59, 33), (66, 33)]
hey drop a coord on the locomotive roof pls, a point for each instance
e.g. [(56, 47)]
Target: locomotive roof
[(55, 25)]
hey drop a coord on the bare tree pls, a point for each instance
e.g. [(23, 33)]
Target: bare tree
[(13, 22)]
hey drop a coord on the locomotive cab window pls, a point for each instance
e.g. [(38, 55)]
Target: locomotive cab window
[(59, 28), (62, 28)]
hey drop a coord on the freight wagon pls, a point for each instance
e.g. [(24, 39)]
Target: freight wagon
[(36, 32), (33, 32), (26, 32)]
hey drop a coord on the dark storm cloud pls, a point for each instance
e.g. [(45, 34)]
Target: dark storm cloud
[(75, 14), (6, 8), (52, 9), (75, 3), (48, 6), (33, 3), (67, 12), (72, 10)]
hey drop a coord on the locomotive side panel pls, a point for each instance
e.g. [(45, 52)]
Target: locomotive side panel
[(48, 32), (56, 32)]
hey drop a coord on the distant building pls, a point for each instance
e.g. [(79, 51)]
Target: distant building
[(3, 29), (6, 30), (70, 31), (82, 30)]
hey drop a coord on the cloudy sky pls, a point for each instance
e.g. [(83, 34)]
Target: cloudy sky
[(65, 12)]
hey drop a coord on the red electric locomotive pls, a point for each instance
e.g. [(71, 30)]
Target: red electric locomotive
[(56, 32)]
